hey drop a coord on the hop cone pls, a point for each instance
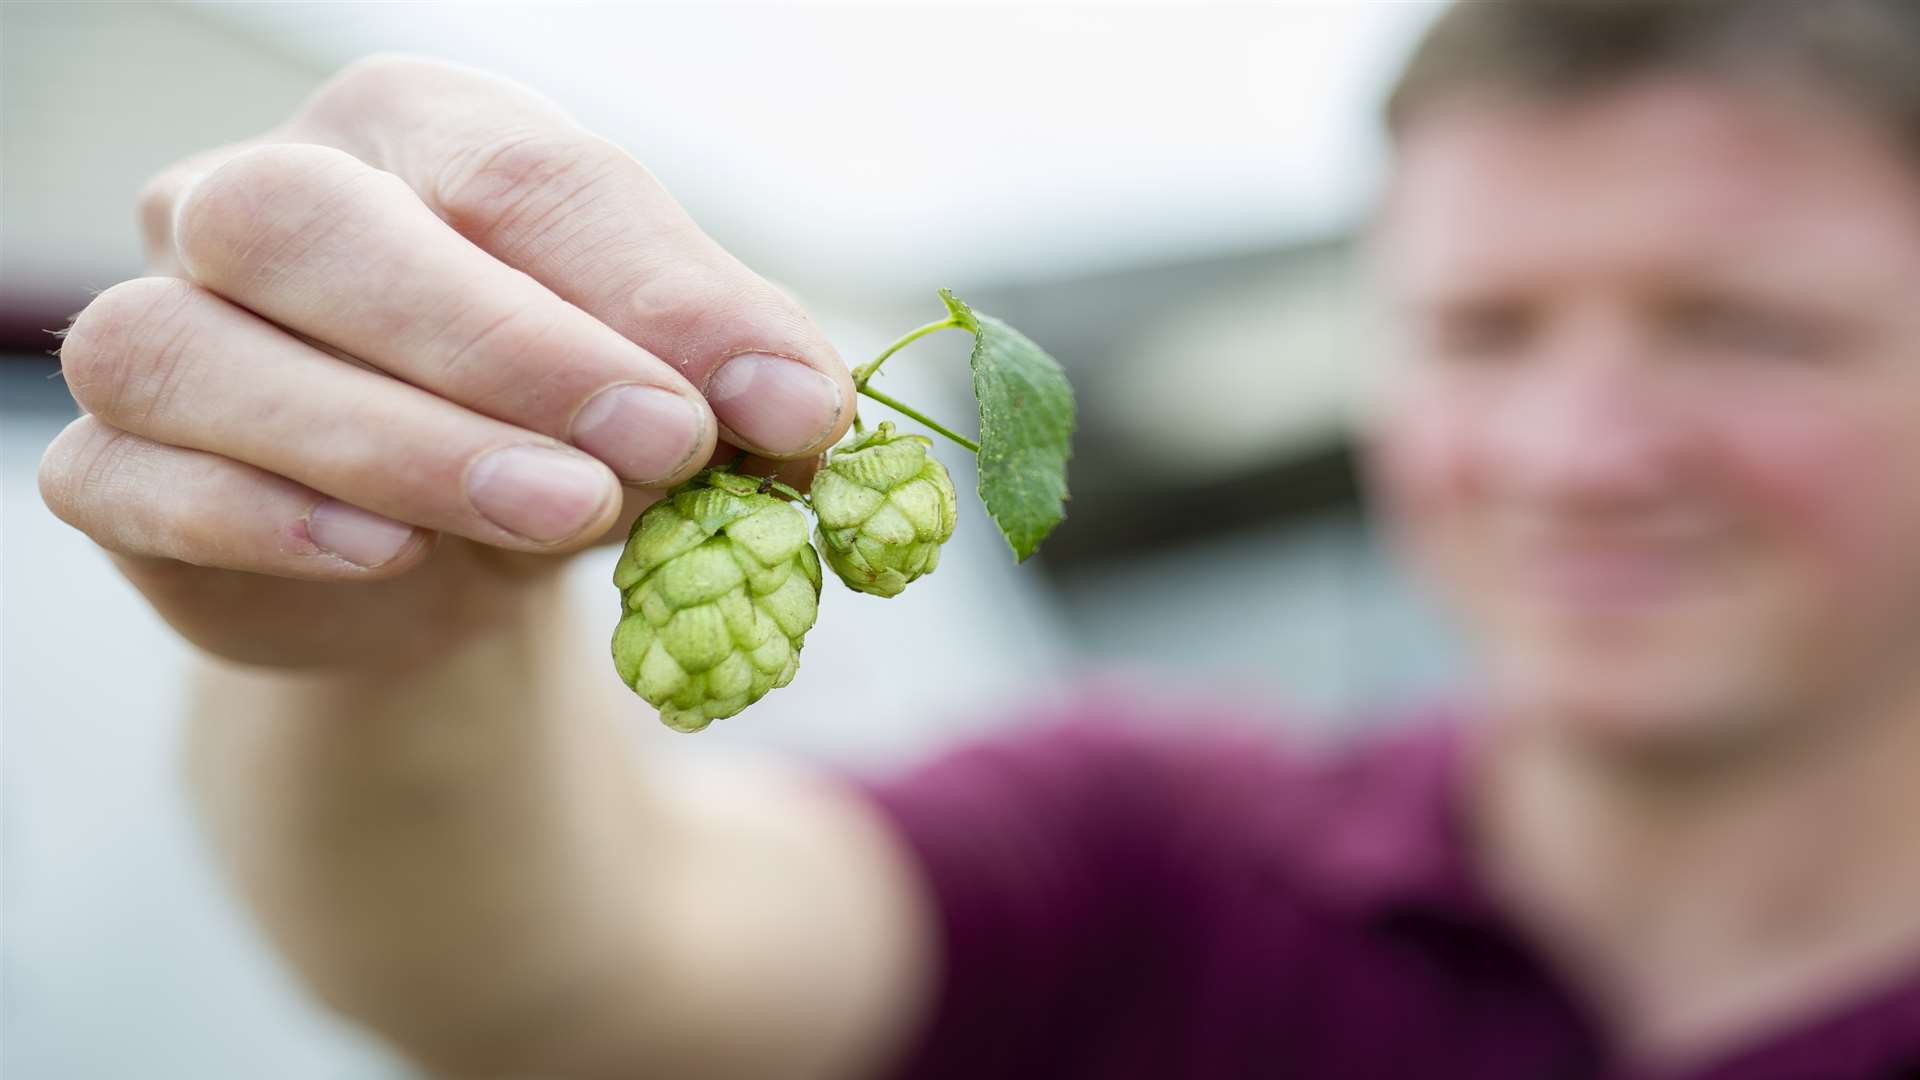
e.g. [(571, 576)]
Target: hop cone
[(719, 590), (885, 506)]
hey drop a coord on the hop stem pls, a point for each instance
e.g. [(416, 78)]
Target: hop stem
[(865, 371), (907, 410)]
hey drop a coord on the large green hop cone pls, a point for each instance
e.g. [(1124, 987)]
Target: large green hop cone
[(719, 589), (885, 506)]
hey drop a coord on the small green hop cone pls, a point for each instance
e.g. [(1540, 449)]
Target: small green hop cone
[(719, 589), (885, 505)]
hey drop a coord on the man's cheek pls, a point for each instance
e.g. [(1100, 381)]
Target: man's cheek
[(1834, 495), (1421, 485), (1417, 466)]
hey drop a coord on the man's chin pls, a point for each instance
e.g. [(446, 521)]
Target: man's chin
[(1676, 717)]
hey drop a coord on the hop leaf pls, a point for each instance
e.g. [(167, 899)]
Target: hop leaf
[(1026, 428), (719, 589), (885, 504)]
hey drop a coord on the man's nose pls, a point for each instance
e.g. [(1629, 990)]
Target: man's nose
[(1588, 429)]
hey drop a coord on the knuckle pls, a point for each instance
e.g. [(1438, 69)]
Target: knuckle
[(684, 304), (725, 307), (402, 105), (55, 475), (263, 208), (513, 185), (379, 74), (473, 337), (154, 205), (123, 354), (160, 195), (377, 86), (82, 474)]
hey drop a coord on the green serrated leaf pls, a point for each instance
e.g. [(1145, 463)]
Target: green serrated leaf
[(961, 313), (1026, 428)]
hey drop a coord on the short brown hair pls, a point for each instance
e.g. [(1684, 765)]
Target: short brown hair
[(1866, 51)]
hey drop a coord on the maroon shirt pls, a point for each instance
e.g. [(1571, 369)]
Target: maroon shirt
[(1118, 902)]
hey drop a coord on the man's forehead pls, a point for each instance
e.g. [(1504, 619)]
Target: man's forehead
[(1662, 174)]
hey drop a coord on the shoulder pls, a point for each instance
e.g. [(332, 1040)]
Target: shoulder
[(1191, 792)]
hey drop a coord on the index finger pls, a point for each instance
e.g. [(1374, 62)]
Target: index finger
[(517, 177)]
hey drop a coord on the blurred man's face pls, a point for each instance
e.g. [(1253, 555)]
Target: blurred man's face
[(1657, 436)]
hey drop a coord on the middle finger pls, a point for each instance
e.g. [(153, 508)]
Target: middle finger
[(332, 248)]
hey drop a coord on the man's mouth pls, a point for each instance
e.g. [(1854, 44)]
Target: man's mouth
[(1607, 581)]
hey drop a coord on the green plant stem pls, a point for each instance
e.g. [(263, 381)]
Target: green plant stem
[(908, 410), (865, 371)]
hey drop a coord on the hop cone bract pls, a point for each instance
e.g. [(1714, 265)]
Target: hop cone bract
[(885, 505), (719, 589)]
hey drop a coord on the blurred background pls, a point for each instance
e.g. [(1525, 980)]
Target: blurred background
[(1165, 197)]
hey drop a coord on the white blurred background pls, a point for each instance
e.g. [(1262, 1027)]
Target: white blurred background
[(1163, 196)]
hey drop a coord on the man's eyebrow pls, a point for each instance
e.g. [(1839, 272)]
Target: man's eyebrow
[(1445, 301)]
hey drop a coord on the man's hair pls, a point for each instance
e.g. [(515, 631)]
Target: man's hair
[(1867, 52)]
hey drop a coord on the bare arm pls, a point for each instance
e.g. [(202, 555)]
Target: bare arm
[(471, 858)]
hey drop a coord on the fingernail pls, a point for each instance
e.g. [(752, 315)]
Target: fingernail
[(643, 433), (537, 492), (781, 406), (353, 534)]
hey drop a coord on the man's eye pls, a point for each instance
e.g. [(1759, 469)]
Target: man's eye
[(1749, 333), (1493, 334)]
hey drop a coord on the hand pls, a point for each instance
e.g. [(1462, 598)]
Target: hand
[(403, 351)]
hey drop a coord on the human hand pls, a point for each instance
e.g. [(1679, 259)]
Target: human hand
[(400, 353)]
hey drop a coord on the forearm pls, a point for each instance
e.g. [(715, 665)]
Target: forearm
[(449, 852)]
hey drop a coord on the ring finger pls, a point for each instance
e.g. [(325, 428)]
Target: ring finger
[(190, 506)]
